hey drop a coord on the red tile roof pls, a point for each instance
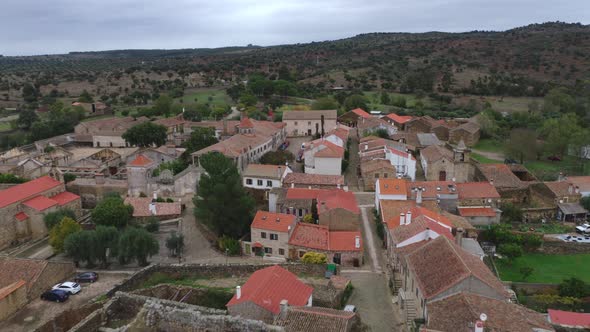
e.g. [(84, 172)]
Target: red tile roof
[(330, 149), (303, 193), (313, 179), (392, 187), (334, 199), (401, 119), (27, 190), (21, 216), (477, 190), (319, 237), (278, 222), (140, 160), (432, 188), (65, 197), (360, 112), (476, 212), (417, 226), (246, 123), (40, 203), (269, 286), (419, 212), (569, 319), (141, 207)]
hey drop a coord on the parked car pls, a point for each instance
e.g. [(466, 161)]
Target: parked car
[(69, 287), (55, 295), (300, 156), (284, 146), (583, 229), (554, 158), (86, 277), (510, 161), (350, 308)]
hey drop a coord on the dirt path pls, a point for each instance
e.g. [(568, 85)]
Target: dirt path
[(369, 239), (491, 155)]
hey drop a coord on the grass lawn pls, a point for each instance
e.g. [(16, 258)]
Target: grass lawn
[(484, 160), (204, 96), (374, 98), (489, 145), (548, 228), (569, 164), (548, 268), (5, 126)]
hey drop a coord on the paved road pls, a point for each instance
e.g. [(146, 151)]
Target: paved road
[(372, 298), (368, 224)]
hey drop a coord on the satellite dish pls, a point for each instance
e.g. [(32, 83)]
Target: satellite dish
[(483, 317)]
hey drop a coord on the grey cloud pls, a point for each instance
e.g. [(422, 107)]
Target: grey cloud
[(58, 26)]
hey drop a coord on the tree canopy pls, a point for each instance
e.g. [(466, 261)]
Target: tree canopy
[(146, 134), (61, 231), (222, 203), (112, 211)]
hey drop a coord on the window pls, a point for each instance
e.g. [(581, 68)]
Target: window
[(376, 175), (385, 175), (249, 181), (301, 253), (282, 252), (263, 235), (259, 182), (309, 123), (416, 292), (269, 183), (295, 122), (300, 212), (274, 236), (268, 250)]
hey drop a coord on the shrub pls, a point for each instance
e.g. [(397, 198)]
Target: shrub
[(169, 200), (510, 250), (69, 177), (229, 245), (53, 218), (61, 231), (153, 225), (175, 243), (314, 258), (308, 218), (573, 287)]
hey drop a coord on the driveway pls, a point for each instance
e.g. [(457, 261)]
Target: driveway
[(372, 298), (37, 312), (294, 148)]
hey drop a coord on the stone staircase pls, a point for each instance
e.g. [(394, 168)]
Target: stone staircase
[(410, 309)]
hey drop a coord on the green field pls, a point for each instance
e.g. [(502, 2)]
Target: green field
[(484, 160), (489, 145), (5, 126), (204, 96), (374, 98), (547, 268)]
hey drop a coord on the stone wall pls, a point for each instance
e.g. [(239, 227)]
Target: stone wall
[(340, 220), (53, 273), (67, 319), (563, 248), (13, 302), (210, 271)]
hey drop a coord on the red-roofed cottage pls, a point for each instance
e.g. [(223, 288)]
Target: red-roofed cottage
[(23, 206), (353, 117), (323, 157), (260, 298), (270, 234)]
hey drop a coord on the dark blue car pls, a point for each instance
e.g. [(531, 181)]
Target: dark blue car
[(55, 296)]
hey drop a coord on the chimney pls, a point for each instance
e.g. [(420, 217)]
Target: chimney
[(570, 189), (238, 292), (284, 305), (357, 242), (459, 236), (278, 220), (293, 185), (280, 174), (99, 178), (402, 218), (560, 177), (577, 190), (152, 208), (478, 326), (366, 147), (155, 196), (418, 195), (408, 217), (492, 182), (454, 179)]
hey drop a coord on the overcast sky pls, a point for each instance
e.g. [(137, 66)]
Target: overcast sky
[(58, 26)]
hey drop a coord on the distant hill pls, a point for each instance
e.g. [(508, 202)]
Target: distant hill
[(520, 61)]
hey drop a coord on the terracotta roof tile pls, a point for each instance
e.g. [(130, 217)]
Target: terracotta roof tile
[(432, 188), (335, 199), (469, 211), (304, 319), (560, 188), (21, 216), (141, 161), (141, 207), (64, 198), (401, 119), (320, 238), (326, 149), (501, 175), (264, 171), (4, 292), (470, 127), (278, 222), (303, 193), (570, 319), (376, 164), (457, 312), (417, 226), (27, 190), (471, 190), (345, 241), (246, 123), (310, 115), (393, 187), (313, 179), (269, 286), (15, 269), (360, 112), (433, 153), (40, 203)]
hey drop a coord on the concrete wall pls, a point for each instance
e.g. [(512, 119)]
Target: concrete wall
[(340, 220), (302, 127), (53, 273), (13, 302)]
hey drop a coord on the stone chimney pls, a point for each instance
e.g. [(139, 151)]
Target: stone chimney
[(284, 305), (408, 217), (152, 208), (570, 189), (560, 177), (279, 172), (357, 242), (418, 196), (402, 218), (459, 236), (155, 196), (492, 182), (238, 292), (99, 178), (577, 190)]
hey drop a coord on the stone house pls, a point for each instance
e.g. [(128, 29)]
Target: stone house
[(371, 125), (23, 207), (435, 269), (139, 170), (338, 210), (480, 215), (316, 318), (261, 297), (399, 121), (426, 124), (442, 164), (478, 202), (468, 132), (270, 234), (264, 177), (146, 207), (295, 201), (251, 140), (352, 118), (582, 183), (390, 189), (396, 153), (105, 132), (174, 129), (323, 157), (308, 123), (372, 170), (340, 247), (563, 192), (314, 181), (93, 190)]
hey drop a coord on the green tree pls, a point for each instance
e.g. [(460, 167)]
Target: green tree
[(153, 225), (277, 157), (175, 243), (163, 105), (248, 99), (308, 218), (11, 178), (201, 137), (573, 287), (311, 257), (69, 177), (53, 218), (522, 144), (112, 211), (136, 244), (560, 133), (222, 202), (60, 232), (105, 237), (355, 101), (385, 100), (26, 118), (146, 134), (510, 250), (325, 103), (85, 97)]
